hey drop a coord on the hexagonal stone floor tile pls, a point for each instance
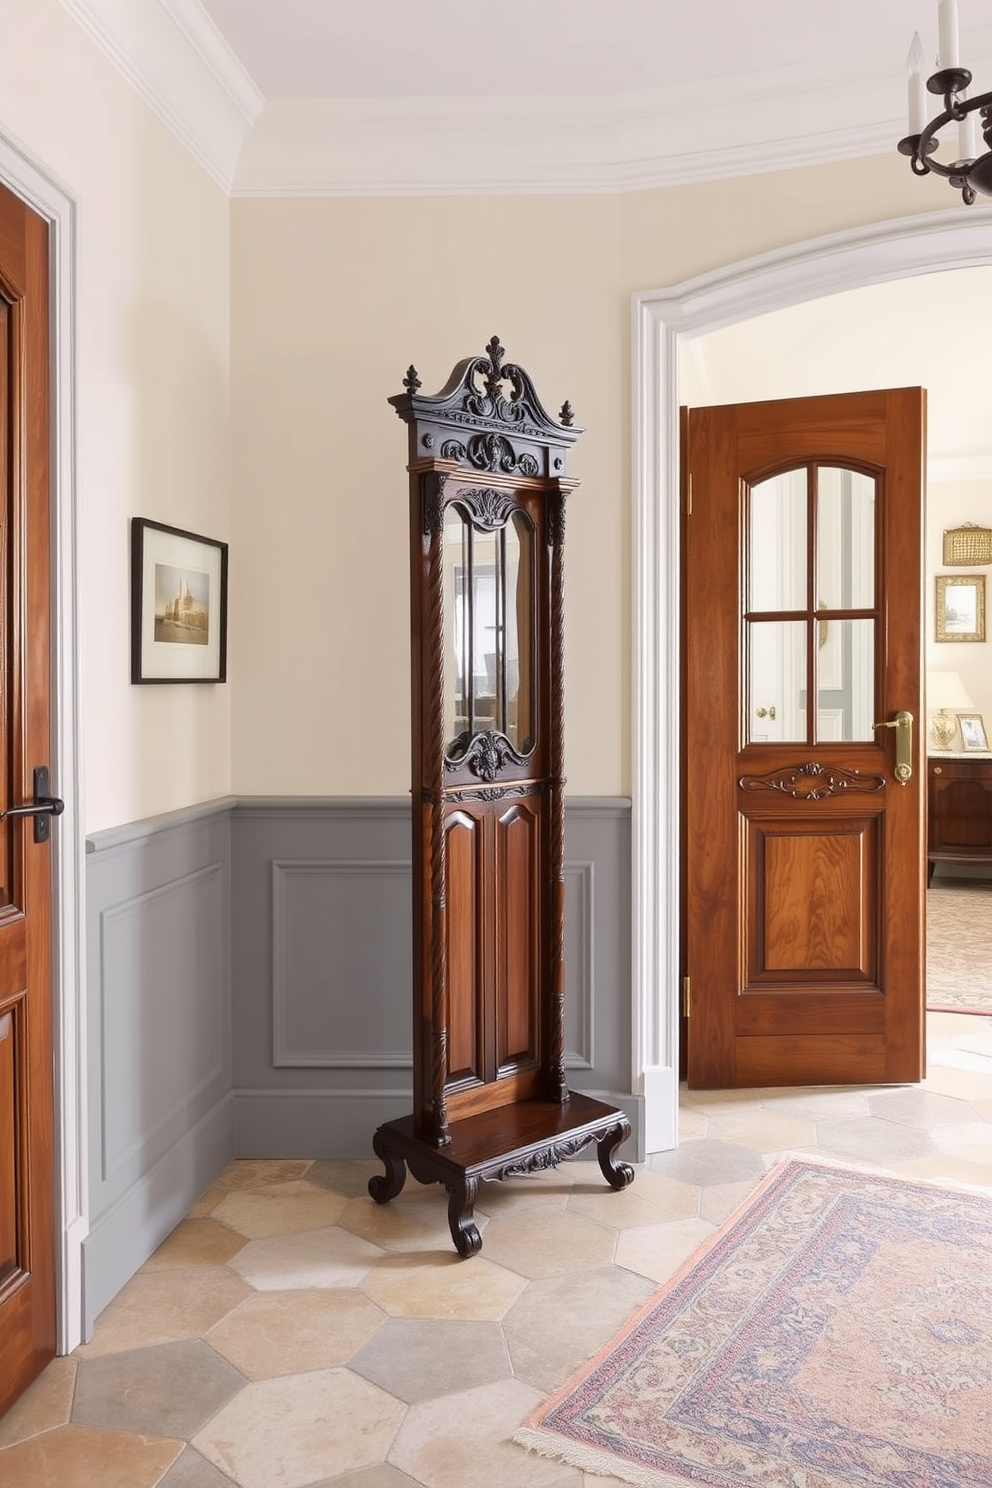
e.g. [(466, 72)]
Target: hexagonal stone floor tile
[(418, 1360), (43, 1406), (313, 1258), (553, 1329), (190, 1470), (346, 1176), (74, 1456), (164, 1307), (708, 1161), (171, 1390), (657, 1251), (443, 1286), (277, 1333), (872, 1141), (923, 1108), (548, 1243), (298, 1429), (280, 1209), (195, 1242), (417, 1220), (465, 1441)]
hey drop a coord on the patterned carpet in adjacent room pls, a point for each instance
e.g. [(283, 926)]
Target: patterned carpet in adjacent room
[(837, 1332), (959, 945)]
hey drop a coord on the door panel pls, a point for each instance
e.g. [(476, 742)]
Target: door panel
[(518, 914), (27, 1178), (804, 851)]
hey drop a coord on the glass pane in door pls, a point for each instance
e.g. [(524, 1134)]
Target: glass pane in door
[(776, 543), (845, 505), (846, 680), (776, 681)]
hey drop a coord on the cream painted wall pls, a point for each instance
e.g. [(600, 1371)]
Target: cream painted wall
[(153, 360), (331, 300)]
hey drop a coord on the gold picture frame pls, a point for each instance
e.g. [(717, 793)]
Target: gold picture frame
[(973, 735), (960, 608)]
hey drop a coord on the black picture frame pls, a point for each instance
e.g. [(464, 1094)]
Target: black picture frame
[(178, 605)]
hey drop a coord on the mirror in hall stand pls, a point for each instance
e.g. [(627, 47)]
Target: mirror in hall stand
[(488, 491)]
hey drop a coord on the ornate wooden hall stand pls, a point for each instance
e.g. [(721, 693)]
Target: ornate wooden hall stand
[(487, 523)]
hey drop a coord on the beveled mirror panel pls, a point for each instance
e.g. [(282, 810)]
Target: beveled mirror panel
[(489, 618)]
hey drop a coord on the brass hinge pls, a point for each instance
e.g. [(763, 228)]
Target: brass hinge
[(688, 496), (686, 997)]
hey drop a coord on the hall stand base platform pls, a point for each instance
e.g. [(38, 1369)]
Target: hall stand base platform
[(507, 1142)]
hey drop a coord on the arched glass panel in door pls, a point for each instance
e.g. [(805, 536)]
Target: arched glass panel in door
[(810, 617)]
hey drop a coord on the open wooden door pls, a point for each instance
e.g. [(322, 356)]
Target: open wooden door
[(804, 794), (27, 1164)]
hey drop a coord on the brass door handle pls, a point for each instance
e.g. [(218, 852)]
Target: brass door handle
[(766, 712), (903, 725)]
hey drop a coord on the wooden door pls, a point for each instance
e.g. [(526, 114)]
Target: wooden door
[(804, 851), (27, 1178)]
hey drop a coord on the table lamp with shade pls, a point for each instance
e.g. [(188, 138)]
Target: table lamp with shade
[(945, 690)]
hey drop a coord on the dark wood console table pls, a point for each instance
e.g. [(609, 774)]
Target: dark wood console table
[(959, 809)]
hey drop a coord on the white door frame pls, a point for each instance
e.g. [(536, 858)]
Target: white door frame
[(22, 173), (959, 238)]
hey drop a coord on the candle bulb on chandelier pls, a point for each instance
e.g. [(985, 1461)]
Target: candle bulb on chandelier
[(968, 136), (917, 87), (949, 44)]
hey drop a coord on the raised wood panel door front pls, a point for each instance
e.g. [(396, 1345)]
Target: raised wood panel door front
[(804, 847), (27, 1172)]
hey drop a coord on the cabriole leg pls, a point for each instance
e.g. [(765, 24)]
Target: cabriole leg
[(617, 1174), (462, 1193), (385, 1186)]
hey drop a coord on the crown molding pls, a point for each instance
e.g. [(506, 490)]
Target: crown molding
[(525, 146), (176, 59), (786, 119)]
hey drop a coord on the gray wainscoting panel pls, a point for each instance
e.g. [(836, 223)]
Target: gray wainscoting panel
[(327, 920), (321, 944), (161, 1127)]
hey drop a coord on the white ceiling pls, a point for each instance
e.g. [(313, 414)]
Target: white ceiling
[(393, 97), (448, 48)]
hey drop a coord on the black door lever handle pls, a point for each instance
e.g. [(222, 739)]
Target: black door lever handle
[(42, 808)]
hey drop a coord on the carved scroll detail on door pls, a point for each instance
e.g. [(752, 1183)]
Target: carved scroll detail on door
[(812, 782)]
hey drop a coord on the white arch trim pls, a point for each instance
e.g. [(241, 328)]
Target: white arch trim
[(961, 238), (27, 177)]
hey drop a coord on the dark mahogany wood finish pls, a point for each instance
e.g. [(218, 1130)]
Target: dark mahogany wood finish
[(489, 1089), (959, 818)]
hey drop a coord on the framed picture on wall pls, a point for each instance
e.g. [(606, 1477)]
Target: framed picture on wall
[(973, 734), (960, 607), (178, 605)]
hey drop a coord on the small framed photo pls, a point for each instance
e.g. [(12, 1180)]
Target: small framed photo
[(960, 607), (973, 734), (178, 605)]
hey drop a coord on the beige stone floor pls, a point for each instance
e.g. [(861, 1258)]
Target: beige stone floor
[(290, 1333)]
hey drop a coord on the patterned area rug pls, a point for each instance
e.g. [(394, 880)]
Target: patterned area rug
[(836, 1333), (959, 946)]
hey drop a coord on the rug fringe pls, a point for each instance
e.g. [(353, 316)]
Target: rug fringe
[(591, 1460)]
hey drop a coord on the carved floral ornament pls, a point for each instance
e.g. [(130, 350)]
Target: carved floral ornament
[(486, 755), (812, 781), (489, 390)]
